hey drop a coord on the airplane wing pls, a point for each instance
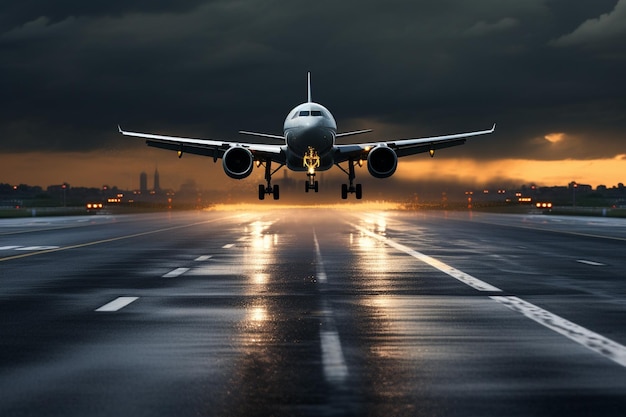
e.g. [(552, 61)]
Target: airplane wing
[(207, 147), (405, 147)]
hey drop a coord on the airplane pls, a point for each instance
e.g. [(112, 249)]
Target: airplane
[(309, 135)]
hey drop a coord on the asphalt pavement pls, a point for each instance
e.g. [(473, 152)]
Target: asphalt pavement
[(313, 312)]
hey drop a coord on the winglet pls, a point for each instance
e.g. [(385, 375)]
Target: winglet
[(119, 128), (493, 129), (309, 86)]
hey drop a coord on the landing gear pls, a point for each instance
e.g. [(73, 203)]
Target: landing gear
[(351, 188), (269, 189), (311, 184), (311, 161)]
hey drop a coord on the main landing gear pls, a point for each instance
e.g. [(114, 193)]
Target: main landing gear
[(311, 161), (269, 189), (351, 188)]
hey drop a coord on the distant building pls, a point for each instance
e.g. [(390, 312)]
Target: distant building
[(143, 183)]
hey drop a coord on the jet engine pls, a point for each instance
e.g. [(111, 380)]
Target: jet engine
[(382, 162), (238, 162)]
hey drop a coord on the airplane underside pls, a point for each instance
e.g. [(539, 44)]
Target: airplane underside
[(310, 163)]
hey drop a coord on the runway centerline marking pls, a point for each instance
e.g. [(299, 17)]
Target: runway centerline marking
[(203, 258), (175, 273), (113, 239), (228, 246), (333, 361), (465, 278), (319, 266), (592, 263), (591, 340), (117, 304)]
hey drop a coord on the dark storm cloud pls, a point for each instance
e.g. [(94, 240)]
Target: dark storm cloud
[(71, 71)]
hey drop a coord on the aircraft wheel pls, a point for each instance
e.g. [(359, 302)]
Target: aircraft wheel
[(306, 186), (359, 192), (276, 192), (261, 192), (344, 191), (316, 186)]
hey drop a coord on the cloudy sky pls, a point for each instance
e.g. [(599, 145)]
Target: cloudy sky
[(549, 72)]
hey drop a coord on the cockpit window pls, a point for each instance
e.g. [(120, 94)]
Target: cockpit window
[(316, 113), (304, 113)]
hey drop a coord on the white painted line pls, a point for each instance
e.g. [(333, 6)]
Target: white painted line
[(592, 263), (335, 368), (26, 248), (228, 246), (203, 258), (319, 265), (9, 247), (175, 273), (117, 304), (443, 267), (591, 340)]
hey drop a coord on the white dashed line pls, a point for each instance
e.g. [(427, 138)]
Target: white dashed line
[(203, 258), (9, 247), (117, 304), (319, 266), (333, 361), (592, 263), (591, 340), (335, 367), (175, 273), (228, 246)]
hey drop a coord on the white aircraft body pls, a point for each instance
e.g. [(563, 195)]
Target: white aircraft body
[(309, 145)]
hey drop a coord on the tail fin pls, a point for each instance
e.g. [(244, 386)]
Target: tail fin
[(309, 87)]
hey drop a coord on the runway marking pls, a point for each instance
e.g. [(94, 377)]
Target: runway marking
[(587, 338), (175, 273), (592, 263), (27, 248), (465, 278), (117, 304), (333, 361), (228, 246), (113, 239), (33, 248), (203, 258), (319, 266), (335, 368)]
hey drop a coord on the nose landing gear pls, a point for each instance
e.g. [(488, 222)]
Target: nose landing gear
[(311, 161)]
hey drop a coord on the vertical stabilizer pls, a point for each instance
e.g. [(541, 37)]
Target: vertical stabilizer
[(309, 86)]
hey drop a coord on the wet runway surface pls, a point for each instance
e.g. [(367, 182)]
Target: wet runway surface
[(313, 312)]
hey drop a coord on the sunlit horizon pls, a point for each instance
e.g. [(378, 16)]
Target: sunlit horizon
[(122, 169)]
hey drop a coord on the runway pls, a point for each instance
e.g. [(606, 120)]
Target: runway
[(313, 312)]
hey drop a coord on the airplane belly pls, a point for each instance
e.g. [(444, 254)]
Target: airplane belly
[(299, 141)]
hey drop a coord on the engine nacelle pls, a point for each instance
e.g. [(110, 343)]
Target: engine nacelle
[(238, 162), (382, 162)]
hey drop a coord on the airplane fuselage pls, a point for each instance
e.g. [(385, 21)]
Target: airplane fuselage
[(309, 127)]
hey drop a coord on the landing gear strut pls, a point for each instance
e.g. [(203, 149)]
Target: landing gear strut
[(269, 189), (351, 188), (311, 161)]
